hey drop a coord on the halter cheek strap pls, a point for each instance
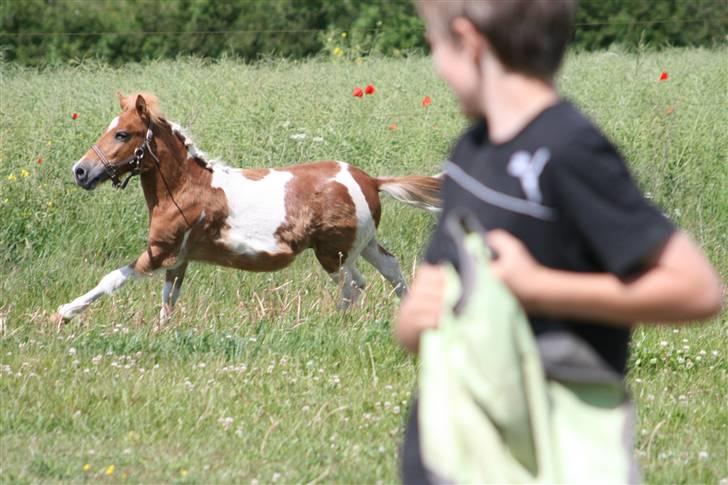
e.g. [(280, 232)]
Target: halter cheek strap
[(135, 162)]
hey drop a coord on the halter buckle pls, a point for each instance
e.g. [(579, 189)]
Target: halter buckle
[(138, 154)]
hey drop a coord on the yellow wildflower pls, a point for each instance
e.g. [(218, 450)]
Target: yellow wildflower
[(24, 173), (343, 35), (109, 470), (183, 473), (12, 177), (338, 52), (86, 467), (49, 204)]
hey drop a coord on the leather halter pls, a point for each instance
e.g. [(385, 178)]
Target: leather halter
[(135, 162)]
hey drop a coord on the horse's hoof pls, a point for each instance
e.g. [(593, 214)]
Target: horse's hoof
[(59, 320), (64, 312)]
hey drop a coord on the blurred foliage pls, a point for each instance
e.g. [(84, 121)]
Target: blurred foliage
[(37, 32)]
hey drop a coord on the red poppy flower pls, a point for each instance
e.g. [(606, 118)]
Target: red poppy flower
[(663, 76), (369, 89), (74, 116), (358, 92), (393, 126), (426, 101), (40, 161)]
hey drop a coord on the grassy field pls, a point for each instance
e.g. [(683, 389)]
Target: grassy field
[(258, 379)]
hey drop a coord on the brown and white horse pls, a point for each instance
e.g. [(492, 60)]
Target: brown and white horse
[(251, 219)]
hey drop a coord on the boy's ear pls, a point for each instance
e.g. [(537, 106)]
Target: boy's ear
[(468, 37)]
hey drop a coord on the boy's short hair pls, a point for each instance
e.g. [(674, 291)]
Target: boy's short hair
[(528, 36)]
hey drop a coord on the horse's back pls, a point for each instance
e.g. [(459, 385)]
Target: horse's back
[(328, 205)]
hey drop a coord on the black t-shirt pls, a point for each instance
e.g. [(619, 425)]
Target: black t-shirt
[(562, 189)]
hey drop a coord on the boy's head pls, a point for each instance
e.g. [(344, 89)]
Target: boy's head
[(526, 37)]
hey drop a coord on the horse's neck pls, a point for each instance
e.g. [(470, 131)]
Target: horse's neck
[(166, 178)]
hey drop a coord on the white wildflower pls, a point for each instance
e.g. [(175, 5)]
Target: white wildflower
[(226, 422)]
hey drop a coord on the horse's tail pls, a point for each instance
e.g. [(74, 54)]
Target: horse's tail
[(422, 192)]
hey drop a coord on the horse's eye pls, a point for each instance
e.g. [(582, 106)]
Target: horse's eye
[(122, 136)]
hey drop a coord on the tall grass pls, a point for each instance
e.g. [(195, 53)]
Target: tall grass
[(258, 377)]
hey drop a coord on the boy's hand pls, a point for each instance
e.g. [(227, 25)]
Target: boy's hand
[(514, 264), (422, 307)]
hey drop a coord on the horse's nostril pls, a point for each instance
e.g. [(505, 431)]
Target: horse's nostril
[(80, 172)]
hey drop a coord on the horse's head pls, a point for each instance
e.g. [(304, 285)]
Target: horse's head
[(123, 146)]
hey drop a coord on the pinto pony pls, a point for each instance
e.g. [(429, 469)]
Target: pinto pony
[(250, 219)]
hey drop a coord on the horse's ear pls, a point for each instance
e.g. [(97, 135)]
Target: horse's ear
[(141, 106), (122, 100)]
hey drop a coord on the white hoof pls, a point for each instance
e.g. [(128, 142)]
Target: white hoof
[(164, 314), (69, 310)]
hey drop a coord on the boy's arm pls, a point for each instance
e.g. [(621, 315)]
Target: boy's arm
[(678, 285)]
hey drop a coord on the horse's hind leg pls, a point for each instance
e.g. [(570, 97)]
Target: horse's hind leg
[(170, 293), (351, 282), (386, 264), (340, 267)]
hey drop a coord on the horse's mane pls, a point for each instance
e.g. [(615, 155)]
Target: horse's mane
[(192, 150)]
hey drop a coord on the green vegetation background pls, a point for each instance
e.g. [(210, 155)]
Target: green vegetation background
[(258, 377)]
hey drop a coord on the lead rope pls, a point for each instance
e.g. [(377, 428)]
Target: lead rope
[(148, 145)]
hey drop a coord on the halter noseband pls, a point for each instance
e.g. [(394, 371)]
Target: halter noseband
[(135, 162)]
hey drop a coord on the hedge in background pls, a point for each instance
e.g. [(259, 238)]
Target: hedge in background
[(37, 32)]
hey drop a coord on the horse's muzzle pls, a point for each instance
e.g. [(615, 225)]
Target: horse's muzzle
[(88, 174)]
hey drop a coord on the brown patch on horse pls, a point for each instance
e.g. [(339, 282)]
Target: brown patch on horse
[(255, 174), (336, 226), (320, 214)]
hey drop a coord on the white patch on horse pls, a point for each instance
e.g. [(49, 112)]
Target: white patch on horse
[(114, 123), (365, 229), (256, 209)]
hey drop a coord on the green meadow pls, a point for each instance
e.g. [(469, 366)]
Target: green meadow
[(258, 378)]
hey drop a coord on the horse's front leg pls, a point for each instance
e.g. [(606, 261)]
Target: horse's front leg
[(144, 265), (170, 293)]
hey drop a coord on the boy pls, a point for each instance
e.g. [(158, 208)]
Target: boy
[(576, 242)]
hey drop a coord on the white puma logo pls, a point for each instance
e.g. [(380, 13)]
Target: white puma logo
[(528, 169)]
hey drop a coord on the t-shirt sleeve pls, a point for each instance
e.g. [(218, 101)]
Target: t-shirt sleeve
[(594, 191)]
